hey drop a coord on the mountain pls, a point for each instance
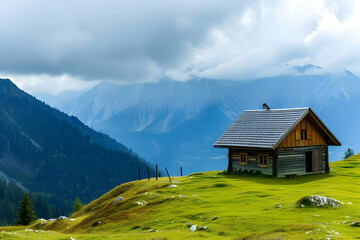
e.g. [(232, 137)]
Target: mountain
[(175, 123), (221, 206), (55, 155)]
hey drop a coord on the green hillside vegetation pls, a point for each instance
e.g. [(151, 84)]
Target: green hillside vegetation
[(56, 156), (10, 195), (230, 206)]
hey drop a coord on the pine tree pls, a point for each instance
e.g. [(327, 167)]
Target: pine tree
[(77, 205), (349, 153), (26, 213)]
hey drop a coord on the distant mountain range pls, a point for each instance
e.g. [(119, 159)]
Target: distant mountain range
[(45, 151), (175, 123)]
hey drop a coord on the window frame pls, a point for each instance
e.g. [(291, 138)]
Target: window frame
[(245, 155), (267, 159), (303, 134)]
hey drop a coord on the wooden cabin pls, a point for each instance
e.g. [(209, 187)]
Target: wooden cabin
[(278, 142)]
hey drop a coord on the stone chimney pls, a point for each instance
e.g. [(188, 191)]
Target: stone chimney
[(266, 107)]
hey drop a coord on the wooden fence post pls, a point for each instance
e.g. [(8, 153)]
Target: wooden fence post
[(156, 172), (147, 168), (168, 174), (181, 171)]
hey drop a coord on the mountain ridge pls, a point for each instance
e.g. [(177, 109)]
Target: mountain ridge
[(55, 155), (146, 116)]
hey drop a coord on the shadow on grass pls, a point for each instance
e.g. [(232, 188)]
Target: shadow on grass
[(270, 180)]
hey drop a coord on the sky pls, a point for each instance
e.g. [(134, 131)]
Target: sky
[(54, 46)]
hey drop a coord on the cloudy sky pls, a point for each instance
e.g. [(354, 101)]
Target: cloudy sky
[(52, 46)]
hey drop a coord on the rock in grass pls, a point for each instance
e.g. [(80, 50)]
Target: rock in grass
[(203, 228), (173, 185), (319, 201), (141, 203), (95, 223), (62, 218), (193, 228), (355, 224), (118, 199)]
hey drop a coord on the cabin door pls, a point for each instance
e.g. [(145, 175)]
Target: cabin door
[(317, 161), (308, 158), (313, 161)]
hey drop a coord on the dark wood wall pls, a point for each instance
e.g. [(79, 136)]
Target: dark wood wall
[(282, 161), (293, 160), (253, 164)]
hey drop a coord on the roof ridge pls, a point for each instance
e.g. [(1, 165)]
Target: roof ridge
[(278, 109)]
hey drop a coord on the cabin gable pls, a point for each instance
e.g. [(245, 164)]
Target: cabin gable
[(305, 134)]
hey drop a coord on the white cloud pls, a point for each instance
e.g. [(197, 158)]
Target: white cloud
[(44, 42), (44, 83), (268, 37)]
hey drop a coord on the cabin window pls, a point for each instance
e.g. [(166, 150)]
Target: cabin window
[(243, 158), (303, 134), (263, 160)]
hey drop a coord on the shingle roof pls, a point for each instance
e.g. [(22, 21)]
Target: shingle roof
[(261, 128)]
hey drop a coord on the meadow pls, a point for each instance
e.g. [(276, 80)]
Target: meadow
[(221, 205)]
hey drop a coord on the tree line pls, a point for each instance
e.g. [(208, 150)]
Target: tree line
[(10, 195)]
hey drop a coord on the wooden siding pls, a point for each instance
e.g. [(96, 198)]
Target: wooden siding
[(293, 139), (253, 164), (293, 160)]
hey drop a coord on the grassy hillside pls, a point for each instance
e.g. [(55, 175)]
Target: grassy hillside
[(56, 156), (231, 206)]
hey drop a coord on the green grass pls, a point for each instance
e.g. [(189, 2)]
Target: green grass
[(231, 206)]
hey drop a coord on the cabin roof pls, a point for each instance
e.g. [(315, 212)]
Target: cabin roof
[(266, 128)]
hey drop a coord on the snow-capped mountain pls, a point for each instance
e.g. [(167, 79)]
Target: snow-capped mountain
[(175, 123)]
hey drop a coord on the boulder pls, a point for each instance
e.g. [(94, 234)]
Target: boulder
[(62, 218), (203, 228), (95, 223), (193, 228), (355, 224), (319, 201), (118, 199)]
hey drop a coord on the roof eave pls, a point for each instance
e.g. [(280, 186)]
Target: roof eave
[(238, 146), (335, 140)]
